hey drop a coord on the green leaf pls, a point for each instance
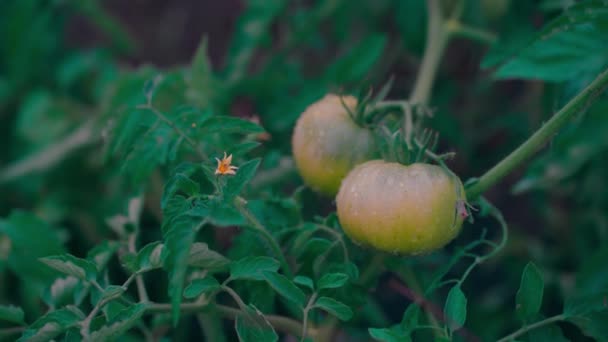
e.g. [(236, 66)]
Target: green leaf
[(253, 267), (252, 326), (178, 240), (236, 183), (203, 87), (112, 292), (68, 264), (203, 257), (229, 124), (218, 211), (332, 281), (148, 258), (180, 182), (124, 321), (356, 64), (52, 324), (389, 335), (253, 28), (571, 45), (530, 294), (580, 305), (285, 287), (25, 251), (593, 325), (409, 321), (304, 281), (455, 308), (12, 314), (102, 253), (200, 286), (334, 307)]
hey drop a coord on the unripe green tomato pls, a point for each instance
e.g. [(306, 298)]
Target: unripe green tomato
[(327, 143), (401, 209)]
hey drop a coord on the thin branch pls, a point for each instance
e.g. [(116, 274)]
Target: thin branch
[(436, 40), (543, 135), (533, 326), (280, 323), (51, 155)]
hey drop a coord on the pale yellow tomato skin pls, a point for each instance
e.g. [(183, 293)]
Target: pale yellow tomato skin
[(327, 143), (400, 209)]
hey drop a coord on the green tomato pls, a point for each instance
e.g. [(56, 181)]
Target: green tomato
[(327, 143), (401, 209)]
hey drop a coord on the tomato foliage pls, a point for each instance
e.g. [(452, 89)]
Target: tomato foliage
[(142, 201)]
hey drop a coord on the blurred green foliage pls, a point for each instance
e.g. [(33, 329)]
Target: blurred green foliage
[(107, 172)]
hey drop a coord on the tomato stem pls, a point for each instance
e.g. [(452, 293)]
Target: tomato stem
[(545, 133), (436, 40)]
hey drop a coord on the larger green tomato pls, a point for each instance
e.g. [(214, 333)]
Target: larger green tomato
[(401, 209), (327, 143)]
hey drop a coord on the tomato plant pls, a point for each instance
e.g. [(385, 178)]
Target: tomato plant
[(303, 170)]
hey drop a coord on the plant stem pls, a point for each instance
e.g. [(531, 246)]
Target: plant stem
[(527, 328), (139, 281), (240, 205), (309, 305), (53, 154), (281, 323), (436, 39), (540, 137), (456, 28)]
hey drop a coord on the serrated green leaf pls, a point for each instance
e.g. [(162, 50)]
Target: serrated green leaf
[(455, 309), (304, 281), (236, 183), (285, 287), (203, 257), (178, 238), (217, 211), (71, 265), (530, 294), (13, 314), (334, 307), (252, 326), (124, 321), (569, 46), (179, 182), (253, 268), (332, 281), (52, 324), (201, 285)]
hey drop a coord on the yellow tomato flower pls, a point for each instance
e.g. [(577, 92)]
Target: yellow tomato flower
[(224, 167)]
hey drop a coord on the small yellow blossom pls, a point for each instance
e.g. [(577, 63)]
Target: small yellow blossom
[(224, 167)]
